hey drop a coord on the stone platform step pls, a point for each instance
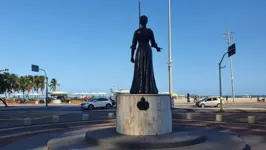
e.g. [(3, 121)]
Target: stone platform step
[(72, 140), (107, 139)]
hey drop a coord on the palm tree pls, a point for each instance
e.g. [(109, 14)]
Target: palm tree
[(7, 83), (42, 83), (53, 84), (23, 84), (14, 83), (30, 83), (36, 83)]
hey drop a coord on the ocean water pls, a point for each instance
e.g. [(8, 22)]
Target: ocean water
[(238, 96), (241, 96)]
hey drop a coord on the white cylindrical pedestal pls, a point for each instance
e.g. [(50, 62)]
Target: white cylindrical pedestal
[(156, 120)]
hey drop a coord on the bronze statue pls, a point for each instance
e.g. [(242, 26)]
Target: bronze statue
[(143, 80)]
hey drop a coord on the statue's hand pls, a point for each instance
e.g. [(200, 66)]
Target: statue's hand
[(132, 60), (158, 49)]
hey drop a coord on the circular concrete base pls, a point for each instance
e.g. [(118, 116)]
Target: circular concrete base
[(182, 138)]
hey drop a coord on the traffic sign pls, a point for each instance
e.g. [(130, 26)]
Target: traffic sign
[(231, 50), (35, 68)]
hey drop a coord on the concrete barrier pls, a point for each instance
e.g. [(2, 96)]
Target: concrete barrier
[(251, 119), (27, 121), (55, 119), (219, 118), (189, 116), (85, 117), (111, 115)]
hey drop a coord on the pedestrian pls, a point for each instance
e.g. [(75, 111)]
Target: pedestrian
[(188, 100), (226, 98)]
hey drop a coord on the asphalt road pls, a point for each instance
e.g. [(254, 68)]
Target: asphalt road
[(42, 115)]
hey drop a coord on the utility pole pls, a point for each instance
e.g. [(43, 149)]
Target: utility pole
[(231, 51), (228, 37)]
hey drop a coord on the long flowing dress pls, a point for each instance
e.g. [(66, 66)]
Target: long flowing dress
[(143, 80)]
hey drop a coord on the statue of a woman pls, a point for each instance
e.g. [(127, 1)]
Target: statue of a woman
[(143, 80)]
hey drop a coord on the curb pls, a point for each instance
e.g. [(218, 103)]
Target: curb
[(17, 107), (21, 108), (55, 124)]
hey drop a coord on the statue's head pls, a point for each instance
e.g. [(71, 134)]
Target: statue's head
[(143, 20)]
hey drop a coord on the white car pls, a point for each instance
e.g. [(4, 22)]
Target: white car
[(97, 103), (209, 101)]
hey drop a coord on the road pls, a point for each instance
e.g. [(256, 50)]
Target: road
[(44, 115), (71, 113), (70, 118)]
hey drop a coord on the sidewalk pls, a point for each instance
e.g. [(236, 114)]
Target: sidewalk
[(32, 106), (215, 108)]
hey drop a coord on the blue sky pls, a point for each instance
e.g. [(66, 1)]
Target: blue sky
[(85, 44)]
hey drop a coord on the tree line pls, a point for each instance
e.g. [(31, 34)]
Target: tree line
[(12, 83)]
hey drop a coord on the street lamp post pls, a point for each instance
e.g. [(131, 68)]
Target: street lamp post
[(220, 82), (35, 68), (231, 51), (46, 97), (169, 47)]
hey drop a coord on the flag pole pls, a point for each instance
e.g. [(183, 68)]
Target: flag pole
[(139, 13)]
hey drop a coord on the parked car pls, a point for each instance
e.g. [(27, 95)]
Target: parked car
[(96, 103), (208, 102)]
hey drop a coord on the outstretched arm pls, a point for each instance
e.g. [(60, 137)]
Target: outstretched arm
[(153, 42)]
